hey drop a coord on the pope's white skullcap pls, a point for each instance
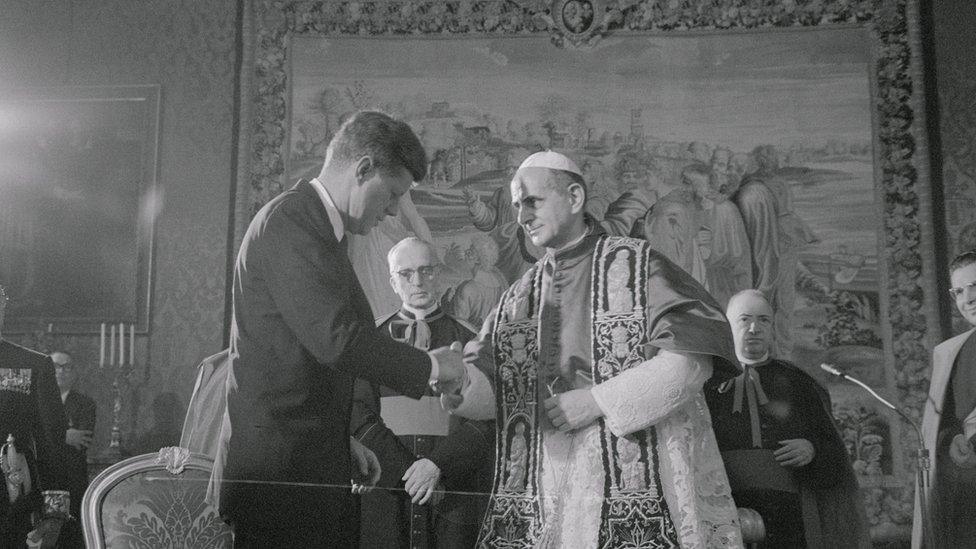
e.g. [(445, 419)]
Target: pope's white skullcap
[(551, 160)]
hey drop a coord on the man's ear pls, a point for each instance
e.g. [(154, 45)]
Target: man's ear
[(364, 168), (577, 197)]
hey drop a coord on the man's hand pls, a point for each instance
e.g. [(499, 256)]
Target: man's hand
[(573, 409), (795, 452), (469, 197), (447, 373), (78, 438), (962, 453), (421, 480), (367, 464)]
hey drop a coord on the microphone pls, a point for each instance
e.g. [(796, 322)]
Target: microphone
[(923, 465), (833, 371), (830, 369)]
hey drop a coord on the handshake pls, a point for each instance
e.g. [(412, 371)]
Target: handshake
[(447, 371)]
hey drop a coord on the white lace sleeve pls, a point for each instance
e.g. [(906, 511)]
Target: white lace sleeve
[(643, 395), (478, 397)]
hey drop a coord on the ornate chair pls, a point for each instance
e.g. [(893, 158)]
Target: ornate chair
[(153, 500)]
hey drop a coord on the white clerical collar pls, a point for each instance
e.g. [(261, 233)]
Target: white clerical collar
[(334, 217), (569, 245), (751, 361), (420, 314), (64, 396)]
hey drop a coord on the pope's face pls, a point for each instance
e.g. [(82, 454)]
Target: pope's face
[(963, 282), (751, 319), (414, 275), (546, 215), (376, 196)]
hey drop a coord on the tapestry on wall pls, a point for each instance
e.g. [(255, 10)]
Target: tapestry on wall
[(782, 153)]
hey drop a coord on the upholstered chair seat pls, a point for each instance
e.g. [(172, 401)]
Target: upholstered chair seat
[(153, 501)]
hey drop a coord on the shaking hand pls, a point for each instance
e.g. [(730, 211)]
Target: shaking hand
[(447, 373)]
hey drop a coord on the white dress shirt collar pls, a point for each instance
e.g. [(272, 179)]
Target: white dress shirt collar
[(334, 217)]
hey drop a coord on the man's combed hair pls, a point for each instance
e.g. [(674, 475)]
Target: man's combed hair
[(964, 259), (389, 143)]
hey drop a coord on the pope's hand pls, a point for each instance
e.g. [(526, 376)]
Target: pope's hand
[(795, 452), (962, 453), (573, 409), (367, 465), (421, 480), (447, 374)]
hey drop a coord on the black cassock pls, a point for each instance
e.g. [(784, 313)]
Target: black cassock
[(465, 457), (816, 505)]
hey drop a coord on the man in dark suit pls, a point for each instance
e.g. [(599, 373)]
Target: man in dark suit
[(425, 453), (80, 412), (32, 413), (302, 333)]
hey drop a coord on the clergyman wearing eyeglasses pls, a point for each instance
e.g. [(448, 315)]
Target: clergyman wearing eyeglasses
[(436, 468)]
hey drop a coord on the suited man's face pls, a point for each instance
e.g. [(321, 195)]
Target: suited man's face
[(375, 196), (415, 276), (963, 289), (66, 374)]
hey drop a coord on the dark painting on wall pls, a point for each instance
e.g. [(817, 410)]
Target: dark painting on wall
[(77, 205)]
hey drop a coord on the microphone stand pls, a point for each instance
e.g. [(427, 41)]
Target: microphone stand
[(923, 464)]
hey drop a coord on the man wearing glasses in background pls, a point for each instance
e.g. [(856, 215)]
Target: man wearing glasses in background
[(949, 423), (438, 466)]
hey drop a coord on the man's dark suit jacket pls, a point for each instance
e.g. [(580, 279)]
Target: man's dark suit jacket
[(80, 410), (31, 411), (302, 333)]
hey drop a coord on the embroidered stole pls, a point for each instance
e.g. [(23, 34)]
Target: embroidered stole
[(634, 512)]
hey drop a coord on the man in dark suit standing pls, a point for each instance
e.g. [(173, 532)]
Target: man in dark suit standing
[(303, 332), (32, 413), (80, 411)]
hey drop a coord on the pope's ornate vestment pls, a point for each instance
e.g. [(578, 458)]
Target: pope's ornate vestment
[(647, 474)]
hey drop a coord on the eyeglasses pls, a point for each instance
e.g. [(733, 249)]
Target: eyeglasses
[(956, 292), (426, 273)]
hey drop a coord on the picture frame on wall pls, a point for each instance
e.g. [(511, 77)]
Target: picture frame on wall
[(78, 203)]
